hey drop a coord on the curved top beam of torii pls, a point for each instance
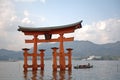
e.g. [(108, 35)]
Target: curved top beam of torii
[(51, 30)]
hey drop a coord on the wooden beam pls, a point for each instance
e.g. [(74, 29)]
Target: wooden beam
[(29, 41), (30, 54), (51, 40)]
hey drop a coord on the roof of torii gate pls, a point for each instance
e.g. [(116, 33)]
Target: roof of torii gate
[(51, 30)]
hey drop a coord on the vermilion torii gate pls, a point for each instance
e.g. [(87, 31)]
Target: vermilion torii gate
[(47, 32)]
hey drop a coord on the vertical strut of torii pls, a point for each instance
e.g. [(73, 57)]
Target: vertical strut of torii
[(48, 32)]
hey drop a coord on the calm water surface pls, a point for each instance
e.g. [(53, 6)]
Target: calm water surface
[(102, 70)]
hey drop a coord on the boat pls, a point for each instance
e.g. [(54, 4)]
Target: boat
[(83, 66)]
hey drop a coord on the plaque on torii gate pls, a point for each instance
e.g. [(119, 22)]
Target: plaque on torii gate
[(48, 32)]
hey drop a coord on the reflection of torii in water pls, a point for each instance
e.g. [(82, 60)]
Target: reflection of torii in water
[(56, 75), (47, 32)]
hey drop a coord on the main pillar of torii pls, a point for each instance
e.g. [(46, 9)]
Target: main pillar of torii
[(47, 32)]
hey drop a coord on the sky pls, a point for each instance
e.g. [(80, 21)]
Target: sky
[(101, 19)]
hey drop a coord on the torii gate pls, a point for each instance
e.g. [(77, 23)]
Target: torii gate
[(47, 32)]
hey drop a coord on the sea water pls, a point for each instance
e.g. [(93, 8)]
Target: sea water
[(102, 70)]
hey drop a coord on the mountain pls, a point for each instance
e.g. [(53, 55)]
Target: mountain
[(80, 49), (86, 48), (9, 54)]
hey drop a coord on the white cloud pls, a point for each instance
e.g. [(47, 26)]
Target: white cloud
[(101, 32), (29, 17), (6, 12), (26, 21), (102, 25), (10, 38), (26, 13)]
